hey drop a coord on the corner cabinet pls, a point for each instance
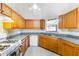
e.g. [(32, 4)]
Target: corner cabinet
[(70, 20)]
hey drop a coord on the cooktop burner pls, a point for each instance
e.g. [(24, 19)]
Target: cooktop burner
[(2, 47), (8, 41)]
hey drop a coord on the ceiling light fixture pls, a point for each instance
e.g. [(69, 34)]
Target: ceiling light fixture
[(35, 7)]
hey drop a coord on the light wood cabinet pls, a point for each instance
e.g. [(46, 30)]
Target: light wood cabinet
[(24, 45), (15, 19), (29, 24), (6, 10), (52, 44), (34, 24), (62, 22), (68, 48), (47, 42), (19, 23), (70, 20), (76, 50), (60, 46), (42, 24), (42, 41)]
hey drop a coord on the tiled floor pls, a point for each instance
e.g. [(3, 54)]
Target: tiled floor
[(38, 51)]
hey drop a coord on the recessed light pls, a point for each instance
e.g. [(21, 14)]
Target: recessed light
[(35, 6)]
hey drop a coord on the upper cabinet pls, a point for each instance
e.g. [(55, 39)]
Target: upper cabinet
[(69, 20), (29, 24), (6, 10), (61, 21), (34, 24), (15, 19), (42, 24), (19, 22)]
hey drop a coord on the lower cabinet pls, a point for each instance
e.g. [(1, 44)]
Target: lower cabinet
[(24, 45), (76, 50), (52, 44), (59, 45), (48, 43), (42, 41), (68, 48)]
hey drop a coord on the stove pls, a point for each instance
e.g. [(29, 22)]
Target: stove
[(3, 47), (8, 41)]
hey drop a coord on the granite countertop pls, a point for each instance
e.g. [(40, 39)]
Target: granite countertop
[(18, 37), (73, 39)]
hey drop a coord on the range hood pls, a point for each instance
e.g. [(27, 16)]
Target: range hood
[(4, 18)]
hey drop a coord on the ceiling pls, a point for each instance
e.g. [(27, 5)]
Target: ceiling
[(47, 10)]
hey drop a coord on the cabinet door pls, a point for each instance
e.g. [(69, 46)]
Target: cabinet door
[(68, 48), (62, 21), (61, 25), (15, 19), (52, 44), (42, 41), (21, 23), (31, 24), (42, 24), (26, 24), (6, 10), (76, 50), (71, 19), (60, 46)]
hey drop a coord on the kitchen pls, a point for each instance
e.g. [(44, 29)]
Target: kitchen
[(39, 29)]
